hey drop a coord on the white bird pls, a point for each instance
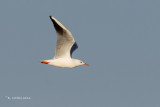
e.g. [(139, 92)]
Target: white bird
[(64, 48)]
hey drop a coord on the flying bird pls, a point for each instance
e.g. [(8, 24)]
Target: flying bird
[(64, 48)]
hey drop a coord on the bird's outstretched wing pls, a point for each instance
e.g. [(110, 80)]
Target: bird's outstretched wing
[(65, 40)]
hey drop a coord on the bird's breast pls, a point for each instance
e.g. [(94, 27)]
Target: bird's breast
[(62, 62)]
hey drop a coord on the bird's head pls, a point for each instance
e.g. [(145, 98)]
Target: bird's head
[(79, 62)]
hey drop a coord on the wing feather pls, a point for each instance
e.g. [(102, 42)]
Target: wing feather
[(65, 39)]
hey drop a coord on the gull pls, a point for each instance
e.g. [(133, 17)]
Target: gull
[(64, 48)]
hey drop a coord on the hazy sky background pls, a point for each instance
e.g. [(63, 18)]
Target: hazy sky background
[(119, 39)]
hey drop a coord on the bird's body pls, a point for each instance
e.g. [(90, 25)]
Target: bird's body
[(64, 48), (62, 62)]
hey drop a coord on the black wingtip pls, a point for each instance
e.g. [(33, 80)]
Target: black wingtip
[(58, 28), (50, 17)]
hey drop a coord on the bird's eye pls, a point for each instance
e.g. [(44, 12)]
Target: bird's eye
[(81, 62)]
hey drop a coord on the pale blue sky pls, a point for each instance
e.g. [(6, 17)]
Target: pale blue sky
[(119, 39)]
